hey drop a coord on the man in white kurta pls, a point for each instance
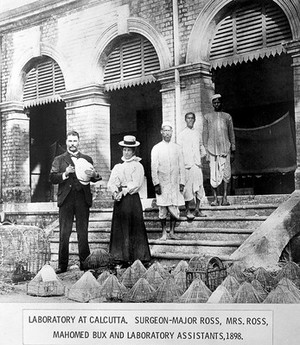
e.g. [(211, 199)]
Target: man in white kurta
[(168, 177), (190, 141)]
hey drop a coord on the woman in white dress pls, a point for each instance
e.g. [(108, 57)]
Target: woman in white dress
[(128, 238)]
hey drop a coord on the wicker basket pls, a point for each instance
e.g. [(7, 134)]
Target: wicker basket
[(291, 271), (129, 278), (112, 288), (259, 288), (99, 258), (45, 289), (103, 276), (210, 270), (220, 295), (181, 266), (180, 280), (168, 292), (153, 277), (247, 294), (231, 284), (85, 289), (45, 283), (157, 266), (23, 248), (281, 295), (265, 278), (197, 292), (142, 291)]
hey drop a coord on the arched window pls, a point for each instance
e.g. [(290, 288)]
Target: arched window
[(251, 30), (43, 83), (132, 62)]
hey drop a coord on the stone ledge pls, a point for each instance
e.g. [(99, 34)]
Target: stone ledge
[(264, 247)]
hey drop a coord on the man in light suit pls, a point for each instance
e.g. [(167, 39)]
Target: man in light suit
[(168, 177), (74, 198)]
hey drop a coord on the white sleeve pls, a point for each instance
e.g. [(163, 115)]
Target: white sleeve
[(154, 166), (114, 181), (137, 179), (181, 167)]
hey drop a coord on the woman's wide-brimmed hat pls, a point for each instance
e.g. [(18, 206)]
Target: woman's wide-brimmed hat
[(129, 141)]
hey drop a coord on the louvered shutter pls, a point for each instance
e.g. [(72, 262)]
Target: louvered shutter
[(223, 43), (43, 83), (277, 26), (113, 67), (131, 63), (252, 30), (132, 59), (249, 29)]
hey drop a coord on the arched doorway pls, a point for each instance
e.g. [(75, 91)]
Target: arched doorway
[(255, 77), (135, 98), (47, 115)]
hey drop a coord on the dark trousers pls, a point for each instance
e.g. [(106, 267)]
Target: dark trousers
[(74, 205)]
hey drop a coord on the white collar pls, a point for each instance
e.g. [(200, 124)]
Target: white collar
[(133, 158), (73, 153)]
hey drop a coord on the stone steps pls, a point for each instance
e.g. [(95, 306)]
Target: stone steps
[(153, 235), (207, 222), (220, 233)]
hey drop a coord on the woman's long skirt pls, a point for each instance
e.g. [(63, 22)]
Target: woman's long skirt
[(128, 237)]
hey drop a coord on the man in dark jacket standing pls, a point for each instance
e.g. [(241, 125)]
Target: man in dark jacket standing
[(74, 198)]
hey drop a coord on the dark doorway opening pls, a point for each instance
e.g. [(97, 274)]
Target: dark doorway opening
[(47, 140), (257, 94), (136, 111)]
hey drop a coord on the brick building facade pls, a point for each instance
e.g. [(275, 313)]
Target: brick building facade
[(178, 48)]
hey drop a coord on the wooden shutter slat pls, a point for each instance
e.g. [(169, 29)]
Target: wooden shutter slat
[(132, 59), (257, 26), (247, 21), (245, 38), (222, 54), (43, 81)]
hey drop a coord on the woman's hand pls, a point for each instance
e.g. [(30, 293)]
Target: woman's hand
[(157, 189), (117, 196)]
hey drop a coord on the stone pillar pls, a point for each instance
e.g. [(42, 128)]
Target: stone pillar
[(15, 153), (207, 88), (293, 48), (167, 81), (88, 112), (196, 89)]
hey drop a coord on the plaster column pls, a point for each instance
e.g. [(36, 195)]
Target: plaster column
[(196, 90), (293, 48), (167, 81), (88, 113), (15, 153)]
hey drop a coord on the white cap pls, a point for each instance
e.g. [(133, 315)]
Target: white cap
[(166, 123), (217, 95)]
